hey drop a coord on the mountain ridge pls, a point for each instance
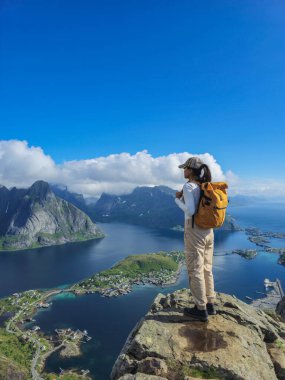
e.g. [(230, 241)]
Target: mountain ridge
[(150, 206), (35, 217)]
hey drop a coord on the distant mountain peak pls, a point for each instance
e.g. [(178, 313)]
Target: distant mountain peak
[(152, 206), (40, 189)]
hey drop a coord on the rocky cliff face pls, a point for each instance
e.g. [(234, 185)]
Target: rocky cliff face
[(280, 308), (36, 217), (74, 198), (240, 342), (149, 206)]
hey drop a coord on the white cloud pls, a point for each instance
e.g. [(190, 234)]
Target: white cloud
[(121, 173), (266, 187), (21, 165)]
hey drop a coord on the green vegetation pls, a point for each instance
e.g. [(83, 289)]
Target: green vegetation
[(15, 355), (183, 370), (13, 304), (280, 344), (10, 370), (7, 242), (18, 243), (133, 265), (210, 373)]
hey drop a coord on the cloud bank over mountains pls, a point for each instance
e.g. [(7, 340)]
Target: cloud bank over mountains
[(21, 165)]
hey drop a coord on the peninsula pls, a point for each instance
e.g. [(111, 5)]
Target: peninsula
[(160, 268)]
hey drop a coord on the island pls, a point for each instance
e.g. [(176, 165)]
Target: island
[(261, 239), (248, 254), (275, 250)]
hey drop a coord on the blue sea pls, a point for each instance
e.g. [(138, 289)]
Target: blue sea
[(110, 320)]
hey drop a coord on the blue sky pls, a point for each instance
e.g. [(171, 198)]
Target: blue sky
[(88, 78)]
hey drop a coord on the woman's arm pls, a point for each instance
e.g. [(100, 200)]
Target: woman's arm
[(186, 202)]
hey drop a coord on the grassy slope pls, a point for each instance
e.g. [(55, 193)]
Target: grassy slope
[(135, 265), (15, 357)]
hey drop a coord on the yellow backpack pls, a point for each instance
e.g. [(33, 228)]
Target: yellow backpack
[(212, 207)]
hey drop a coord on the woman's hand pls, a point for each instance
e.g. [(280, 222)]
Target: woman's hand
[(179, 194)]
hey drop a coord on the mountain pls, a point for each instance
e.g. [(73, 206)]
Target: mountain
[(149, 206), (240, 342), (76, 199), (35, 217)]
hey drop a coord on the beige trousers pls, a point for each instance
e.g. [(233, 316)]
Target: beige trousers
[(199, 250)]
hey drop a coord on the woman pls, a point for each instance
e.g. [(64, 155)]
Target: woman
[(199, 242)]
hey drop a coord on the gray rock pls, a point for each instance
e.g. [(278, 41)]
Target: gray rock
[(280, 308), (237, 343)]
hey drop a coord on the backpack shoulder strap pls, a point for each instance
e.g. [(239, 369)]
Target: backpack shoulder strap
[(201, 195)]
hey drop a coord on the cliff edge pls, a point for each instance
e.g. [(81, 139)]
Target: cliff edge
[(240, 342)]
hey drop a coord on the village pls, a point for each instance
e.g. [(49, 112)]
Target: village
[(120, 284)]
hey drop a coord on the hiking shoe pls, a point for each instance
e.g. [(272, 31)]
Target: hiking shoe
[(195, 313), (211, 309)]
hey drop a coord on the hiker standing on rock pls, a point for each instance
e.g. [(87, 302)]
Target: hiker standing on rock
[(198, 242)]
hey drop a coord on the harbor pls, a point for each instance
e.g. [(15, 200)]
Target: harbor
[(273, 294)]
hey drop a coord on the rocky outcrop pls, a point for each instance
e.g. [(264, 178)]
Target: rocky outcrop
[(280, 308), (35, 217), (239, 342)]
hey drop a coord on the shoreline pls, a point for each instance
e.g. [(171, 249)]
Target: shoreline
[(25, 305), (51, 245)]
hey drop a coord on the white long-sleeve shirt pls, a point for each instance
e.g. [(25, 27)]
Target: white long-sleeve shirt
[(190, 200)]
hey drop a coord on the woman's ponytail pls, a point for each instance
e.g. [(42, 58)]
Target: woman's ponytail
[(203, 174), (207, 176)]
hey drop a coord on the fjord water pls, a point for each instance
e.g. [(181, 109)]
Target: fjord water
[(266, 216), (110, 320)]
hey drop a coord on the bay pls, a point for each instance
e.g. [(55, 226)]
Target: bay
[(110, 320)]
